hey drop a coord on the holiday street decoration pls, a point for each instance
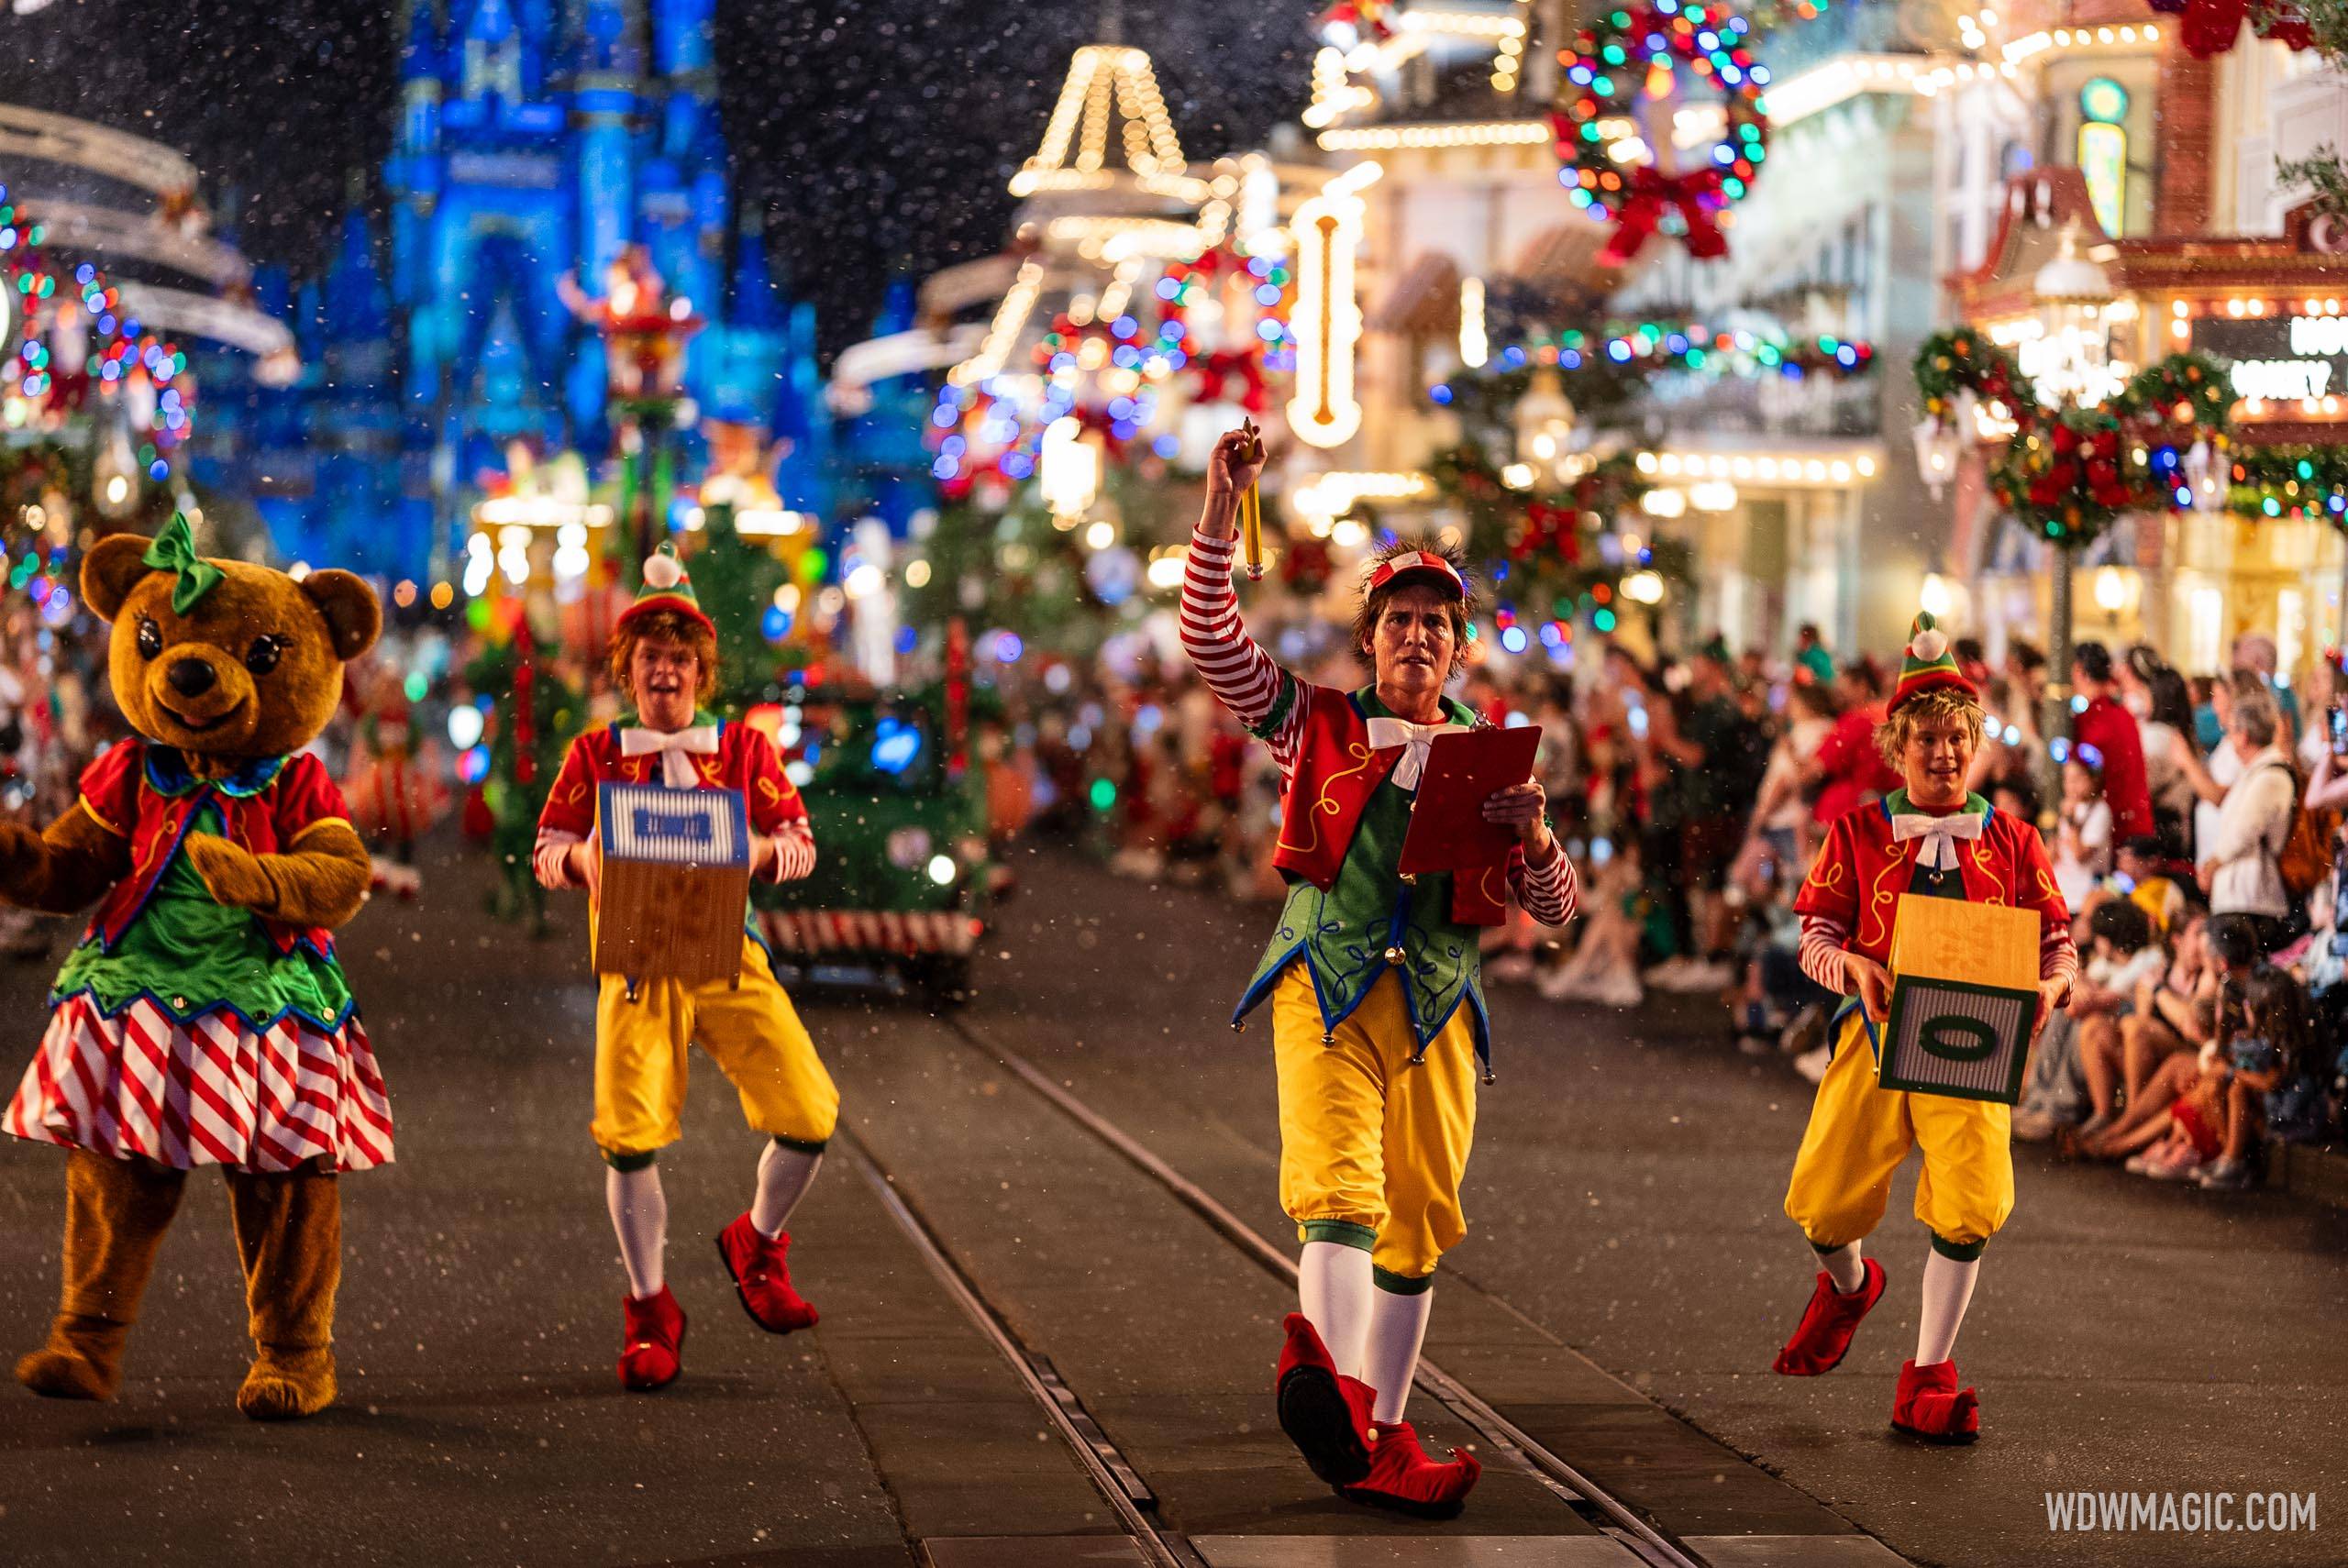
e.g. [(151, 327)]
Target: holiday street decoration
[(2067, 472), (2310, 483), (2208, 27), (643, 342), (1233, 348), (1349, 24), (1628, 74), (70, 348)]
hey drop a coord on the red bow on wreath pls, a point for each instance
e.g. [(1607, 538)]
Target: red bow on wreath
[(1696, 197), (1217, 371), (1548, 527), (2210, 27)]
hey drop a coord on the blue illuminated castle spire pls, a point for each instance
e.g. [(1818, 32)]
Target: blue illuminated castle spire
[(535, 139)]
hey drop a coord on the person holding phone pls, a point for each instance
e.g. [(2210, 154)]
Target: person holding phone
[(1379, 1027)]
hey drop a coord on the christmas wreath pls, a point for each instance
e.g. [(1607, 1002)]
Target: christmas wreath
[(1643, 54)]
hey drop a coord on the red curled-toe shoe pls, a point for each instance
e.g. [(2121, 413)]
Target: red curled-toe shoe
[(1929, 1404), (1828, 1322), (652, 1341), (762, 1277), (1403, 1478), (1324, 1414)]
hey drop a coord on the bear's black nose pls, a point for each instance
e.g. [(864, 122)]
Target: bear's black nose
[(191, 676)]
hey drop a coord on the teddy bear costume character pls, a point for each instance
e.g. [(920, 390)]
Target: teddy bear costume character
[(202, 1018)]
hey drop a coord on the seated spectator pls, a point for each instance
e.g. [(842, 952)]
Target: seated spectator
[(1614, 914), (2153, 1089), (2123, 953), (2267, 1076)]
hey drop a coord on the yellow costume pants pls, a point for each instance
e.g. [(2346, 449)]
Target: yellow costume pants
[(751, 1031), (1372, 1148), (1859, 1133)]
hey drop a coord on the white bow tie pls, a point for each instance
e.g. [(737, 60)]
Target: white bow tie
[(1939, 834), (677, 748), (1415, 739)]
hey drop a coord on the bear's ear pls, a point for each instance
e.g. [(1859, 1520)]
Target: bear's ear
[(111, 570), (353, 617)]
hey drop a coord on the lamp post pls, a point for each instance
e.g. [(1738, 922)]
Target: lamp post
[(2072, 366)]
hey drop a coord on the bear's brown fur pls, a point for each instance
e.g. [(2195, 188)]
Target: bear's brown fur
[(253, 669)]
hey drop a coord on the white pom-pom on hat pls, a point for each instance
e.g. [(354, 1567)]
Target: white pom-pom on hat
[(663, 572), (1929, 645)]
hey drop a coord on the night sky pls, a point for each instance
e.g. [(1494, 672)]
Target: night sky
[(878, 133)]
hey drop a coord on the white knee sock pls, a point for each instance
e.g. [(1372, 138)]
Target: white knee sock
[(640, 1218), (783, 1177), (1845, 1267), (1948, 1287), (1398, 1326), (1333, 1290)]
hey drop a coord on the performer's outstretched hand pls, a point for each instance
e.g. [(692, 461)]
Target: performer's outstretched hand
[(1874, 983), (1236, 460)]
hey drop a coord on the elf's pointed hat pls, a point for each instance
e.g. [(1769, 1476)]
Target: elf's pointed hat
[(1930, 665), (666, 587)]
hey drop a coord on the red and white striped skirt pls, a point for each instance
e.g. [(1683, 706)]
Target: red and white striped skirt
[(211, 1091)]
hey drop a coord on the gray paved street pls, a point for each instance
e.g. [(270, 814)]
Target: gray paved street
[(1626, 1281)]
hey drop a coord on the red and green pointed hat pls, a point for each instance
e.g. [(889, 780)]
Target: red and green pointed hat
[(666, 587), (1930, 665)]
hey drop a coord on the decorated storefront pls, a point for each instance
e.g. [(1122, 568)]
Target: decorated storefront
[(2244, 534)]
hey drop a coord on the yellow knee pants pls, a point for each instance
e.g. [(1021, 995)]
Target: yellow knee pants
[(1859, 1133), (751, 1031), (1372, 1145)]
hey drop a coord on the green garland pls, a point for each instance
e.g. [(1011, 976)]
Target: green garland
[(2068, 473), (2291, 481)]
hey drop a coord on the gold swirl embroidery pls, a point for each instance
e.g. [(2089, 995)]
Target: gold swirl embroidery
[(2003, 892), (1484, 887), (1883, 901), (1360, 753), (1827, 874)]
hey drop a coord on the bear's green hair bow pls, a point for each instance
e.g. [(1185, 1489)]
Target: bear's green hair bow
[(174, 551)]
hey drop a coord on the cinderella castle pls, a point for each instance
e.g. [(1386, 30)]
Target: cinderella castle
[(537, 138)]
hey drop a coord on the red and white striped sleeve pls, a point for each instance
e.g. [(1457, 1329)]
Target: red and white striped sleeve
[(794, 851), (1821, 954), (1244, 678), (2058, 955), (1548, 893)]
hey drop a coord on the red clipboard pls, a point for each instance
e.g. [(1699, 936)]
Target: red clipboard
[(1447, 831)]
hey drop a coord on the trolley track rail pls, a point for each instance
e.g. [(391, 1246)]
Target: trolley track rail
[(1116, 1477)]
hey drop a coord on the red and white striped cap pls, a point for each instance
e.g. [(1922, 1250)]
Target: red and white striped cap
[(1415, 563)]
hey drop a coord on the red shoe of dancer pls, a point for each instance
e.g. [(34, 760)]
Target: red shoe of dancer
[(1324, 1414), (761, 1278), (1931, 1406), (1403, 1478), (652, 1341), (1828, 1324)]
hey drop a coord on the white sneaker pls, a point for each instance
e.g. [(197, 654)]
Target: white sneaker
[(2033, 1126), (1812, 1064), (1509, 968), (1665, 976), (1619, 990), (1707, 975)]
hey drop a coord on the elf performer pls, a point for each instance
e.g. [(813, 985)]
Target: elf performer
[(664, 658), (1379, 1027), (1934, 838)]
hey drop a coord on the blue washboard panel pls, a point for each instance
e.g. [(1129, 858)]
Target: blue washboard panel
[(654, 825)]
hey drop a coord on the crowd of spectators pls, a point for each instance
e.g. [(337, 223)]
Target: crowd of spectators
[(2192, 823)]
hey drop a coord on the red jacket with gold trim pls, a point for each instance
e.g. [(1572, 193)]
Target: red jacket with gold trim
[(1336, 773), (1861, 873), (745, 760)]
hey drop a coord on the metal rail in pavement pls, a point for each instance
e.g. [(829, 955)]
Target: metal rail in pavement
[(1514, 1445)]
